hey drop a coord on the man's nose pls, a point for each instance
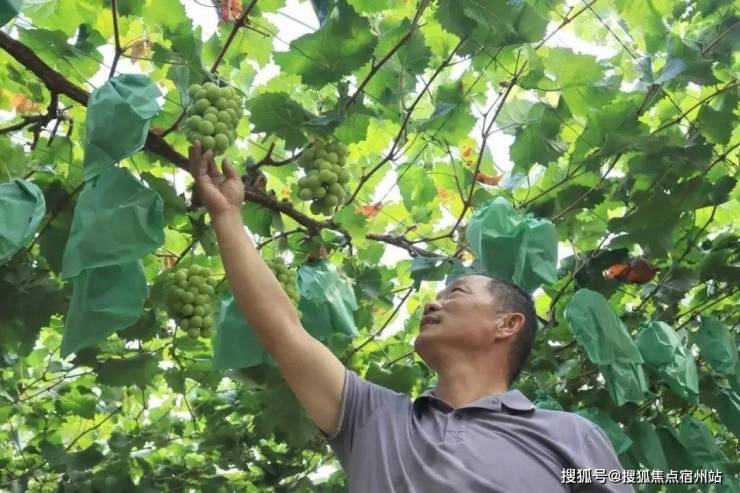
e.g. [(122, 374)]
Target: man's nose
[(432, 307)]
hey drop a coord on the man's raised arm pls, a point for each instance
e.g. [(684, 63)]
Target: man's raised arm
[(311, 370)]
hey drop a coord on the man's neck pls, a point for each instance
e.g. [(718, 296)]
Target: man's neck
[(464, 385)]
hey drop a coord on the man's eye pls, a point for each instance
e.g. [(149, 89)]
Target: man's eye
[(458, 289)]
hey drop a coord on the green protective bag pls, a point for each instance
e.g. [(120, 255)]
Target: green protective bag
[(608, 344), (647, 448), (327, 300), (727, 404), (717, 346), (617, 436), (117, 220), (236, 345), (522, 249), (104, 300), (598, 329), (625, 382), (697, 438), (662, 349), (117, 120), (22, 206), (326, 305), (8, 10)]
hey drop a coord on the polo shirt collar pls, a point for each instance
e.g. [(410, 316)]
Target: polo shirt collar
[(513, 399)]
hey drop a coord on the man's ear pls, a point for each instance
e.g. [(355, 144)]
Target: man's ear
[(509, 325)]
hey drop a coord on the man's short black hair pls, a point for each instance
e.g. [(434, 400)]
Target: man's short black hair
[(511, 297)]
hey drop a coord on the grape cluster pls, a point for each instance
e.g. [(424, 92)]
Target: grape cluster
[(326, 177), (287, 277), (191, 299), (212, 116)]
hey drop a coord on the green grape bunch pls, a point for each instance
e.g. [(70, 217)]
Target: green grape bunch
[(287, 277), (191, 299), (325, 183), (212, 116)]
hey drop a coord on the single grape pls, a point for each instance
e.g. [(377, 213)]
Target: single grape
[(194, 89), (196, 321), (206, 128), (213, 93), (212, 281), (208, 143), (211, 117), (180, 276), (332, 157), (315, 208), (199, 310), (201, 105), (321, 154), (194, 332), (221, 142), (205, 332), (325, 176), (209, 110), (331, 200), (305, 194), (343, 176), (221, 103), (187, 309), (319, 192)]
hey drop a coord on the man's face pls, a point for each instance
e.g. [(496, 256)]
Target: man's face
[(464, 316)]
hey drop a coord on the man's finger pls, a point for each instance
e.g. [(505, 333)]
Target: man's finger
[(229, 170), (195, 159)]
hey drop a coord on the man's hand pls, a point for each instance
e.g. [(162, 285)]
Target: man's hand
[(222, 194)]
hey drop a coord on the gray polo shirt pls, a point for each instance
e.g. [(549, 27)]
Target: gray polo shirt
[(387, 443)]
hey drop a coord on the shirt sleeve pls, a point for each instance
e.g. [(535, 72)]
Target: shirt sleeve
[(599, 453), (360, 399)]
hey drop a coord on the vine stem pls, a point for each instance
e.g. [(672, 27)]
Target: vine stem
[(383, 327), (391, 153), (237, 25), (117, 39)]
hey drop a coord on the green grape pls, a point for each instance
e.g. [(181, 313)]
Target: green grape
[(315, 208), (205, 332), (199, 310), (331, 200), (207, 322), (235, 104), (343, 176), (313, 181), (194, 332), (210, 110), (305, 194), (232, 114), (187, 309), (179, 293), (326, 210), (325, 176), (208, 143), (190, 110), (206, 128), (183, 284), (221, 103), (196, 321), (195, 279), (201, 299), (194, 121), (184, 323), (319, 192), (332, 157), (212, 281), (201, 105), (221, 128), (224, 117), (207, 290), (180, 276), (194, 89), (308, 154), (221, 142), (321, 154), (213, 93), (229, 92), (211, 117)]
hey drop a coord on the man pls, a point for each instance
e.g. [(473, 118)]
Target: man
[(469, 434)]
